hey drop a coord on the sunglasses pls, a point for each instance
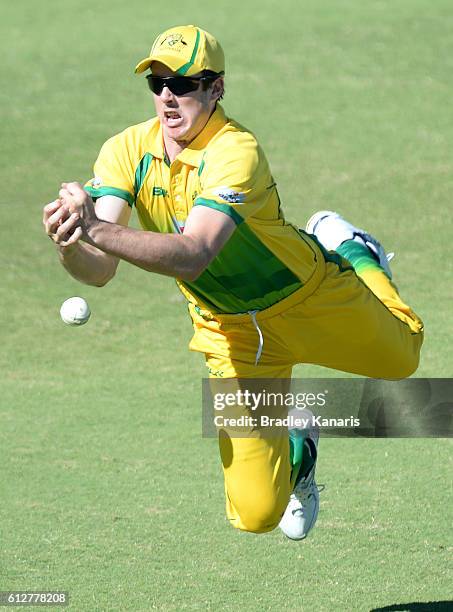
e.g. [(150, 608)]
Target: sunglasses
[(178, 85)]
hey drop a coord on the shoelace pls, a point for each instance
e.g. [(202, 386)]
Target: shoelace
[(302, 489)]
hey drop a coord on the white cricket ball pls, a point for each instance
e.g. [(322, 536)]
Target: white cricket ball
[(75, 311)]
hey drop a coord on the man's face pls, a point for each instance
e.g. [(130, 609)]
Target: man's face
[(182, 117)]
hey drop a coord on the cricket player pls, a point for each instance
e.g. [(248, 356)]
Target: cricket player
[(263, 295)]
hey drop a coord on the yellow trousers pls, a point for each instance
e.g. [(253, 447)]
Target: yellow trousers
[(349, 323)]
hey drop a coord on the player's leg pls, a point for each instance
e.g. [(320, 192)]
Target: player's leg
[(260, 466), (367, 257), (263, 466), (347, 324), (256, 462)]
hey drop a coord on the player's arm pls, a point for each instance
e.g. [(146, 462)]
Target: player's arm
[(83, 261), (183, 256)]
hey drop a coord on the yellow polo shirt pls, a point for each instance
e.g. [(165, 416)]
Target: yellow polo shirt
[(265, 260)]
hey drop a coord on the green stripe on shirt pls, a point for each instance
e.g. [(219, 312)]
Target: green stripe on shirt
[(225, 208), (102, 191), (140, 172)]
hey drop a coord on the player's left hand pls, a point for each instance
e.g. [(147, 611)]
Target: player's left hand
[(78, 202)]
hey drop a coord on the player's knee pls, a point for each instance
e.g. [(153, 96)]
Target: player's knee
[(406, 365), (408, 358), (260, 519), (398, 371), (258, 524), (410, 367)]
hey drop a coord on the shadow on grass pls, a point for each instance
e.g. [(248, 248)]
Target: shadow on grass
[(418, 606)]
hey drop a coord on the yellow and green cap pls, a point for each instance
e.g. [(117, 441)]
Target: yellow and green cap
[(186, 50)]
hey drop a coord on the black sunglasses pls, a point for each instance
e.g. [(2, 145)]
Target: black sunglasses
[(178, 85)]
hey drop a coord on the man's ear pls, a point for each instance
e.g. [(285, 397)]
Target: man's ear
[(218, 89)]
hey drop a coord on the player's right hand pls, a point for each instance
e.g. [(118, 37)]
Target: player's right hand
[(61, 226)]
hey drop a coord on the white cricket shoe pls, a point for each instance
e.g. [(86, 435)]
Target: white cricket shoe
[(303, 506), (332, 230)]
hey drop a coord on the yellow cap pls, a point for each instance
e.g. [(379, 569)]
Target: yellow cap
[(186, 50)]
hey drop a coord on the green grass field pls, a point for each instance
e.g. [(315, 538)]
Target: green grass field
[(107, 489)]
